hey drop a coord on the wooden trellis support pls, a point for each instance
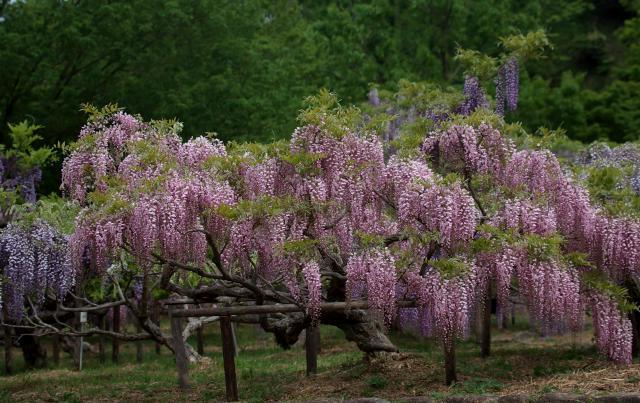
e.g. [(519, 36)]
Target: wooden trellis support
[(225, 314), (311, 341), (115, 326), (179, 348), (228, 356)]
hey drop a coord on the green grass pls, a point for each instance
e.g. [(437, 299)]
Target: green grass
[(266, 372)]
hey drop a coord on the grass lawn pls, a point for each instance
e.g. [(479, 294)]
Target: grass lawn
[(521, 363)]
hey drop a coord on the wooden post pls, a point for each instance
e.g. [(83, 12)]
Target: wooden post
[(311, 347), (139, 346), (200, 339), (234, 339), (81, 321), (102, 357), (485, 325), (8, 361), (75, 341), (226, 333), (634, 317), (115, 325), (450, 363), (180, 351), (156, 320), (56, 349), (318, 342)]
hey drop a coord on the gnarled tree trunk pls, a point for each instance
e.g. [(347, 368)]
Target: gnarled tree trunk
[(35, 355), (358, 327)]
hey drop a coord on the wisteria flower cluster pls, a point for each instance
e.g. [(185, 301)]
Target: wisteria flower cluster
[(297, 220), (35, 263), (507, 85), (538, 216)]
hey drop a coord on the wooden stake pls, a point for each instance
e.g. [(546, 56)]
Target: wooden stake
[(485, 326), (235, 340), (56, 349), (231, 384), (318, 341), (180, 352), (200, 340), (102, 357), (115, 343), (8, 361), (139, 346), (311, 347), (156, 320), (450, 363)]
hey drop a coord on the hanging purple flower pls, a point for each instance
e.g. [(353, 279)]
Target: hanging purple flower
[(507, 83), (474, 95), (500, 90), (437, 116), (33, 259), (512, 81), (374, 98)]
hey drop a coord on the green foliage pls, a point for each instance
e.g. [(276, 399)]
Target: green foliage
[(577, 259), (450, 267), (324, 110), (95, 113), (427, 96), (599, 281), (23, 139), (529, 46), (524, 47), (301, 247), (484, 116), (58, 212), (264, 206), (607, 188), (542, 248), (242, 69), (408, 144), (476, 63), (368, 240)]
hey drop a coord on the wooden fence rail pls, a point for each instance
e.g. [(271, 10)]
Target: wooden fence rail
[(276, 308)]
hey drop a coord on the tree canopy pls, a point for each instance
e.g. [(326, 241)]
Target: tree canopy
[(241, 68)]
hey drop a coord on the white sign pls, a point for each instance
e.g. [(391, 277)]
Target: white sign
[(83, 317)]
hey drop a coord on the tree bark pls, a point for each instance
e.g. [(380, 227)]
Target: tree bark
[(155, 317), (311, 349), (485, 325), (35, 356), (200, 340), (180, 353), (8, 344), (115, 326), (450, 363), (358, 327), (139, 347), (56, 349), (634, 317), (102, 357)]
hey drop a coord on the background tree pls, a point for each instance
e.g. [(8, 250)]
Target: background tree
[(241, 68)]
